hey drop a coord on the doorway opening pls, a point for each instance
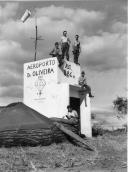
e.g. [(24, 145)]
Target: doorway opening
[(75, 104)]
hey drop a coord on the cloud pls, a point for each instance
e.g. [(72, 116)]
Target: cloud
[(11, 51), (52, 21), (8, 11), (12, 57), (12, 91), (104, 52), (81, 19), (119, 27), (102, 49), (77, 15), (9, 78)]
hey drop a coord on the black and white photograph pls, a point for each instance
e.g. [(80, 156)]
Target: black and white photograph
[(63, 86)]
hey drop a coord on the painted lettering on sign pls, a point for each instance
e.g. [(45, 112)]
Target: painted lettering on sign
[(43, 72), (40, 72), (41, 64), (28, 75), (68, 71), (40, 68)]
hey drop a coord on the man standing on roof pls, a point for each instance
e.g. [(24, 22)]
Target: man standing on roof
[(65, 44), (56, 52), (83, 83), (76, 49)]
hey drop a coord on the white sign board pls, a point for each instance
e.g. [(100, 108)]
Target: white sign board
[(39, 74), (52, 101), (47, 89), (41, 89), (69, 73)]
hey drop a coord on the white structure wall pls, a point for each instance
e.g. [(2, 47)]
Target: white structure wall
[(52, 102), (85, 116), (69, 73), (48, 88)]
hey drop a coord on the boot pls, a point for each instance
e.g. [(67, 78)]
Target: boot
[(90, 95)]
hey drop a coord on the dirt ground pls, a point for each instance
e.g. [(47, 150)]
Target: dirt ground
[(110, 155)]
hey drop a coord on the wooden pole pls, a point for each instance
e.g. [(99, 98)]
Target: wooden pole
[(36, 39), (75, 136), (35, 44)]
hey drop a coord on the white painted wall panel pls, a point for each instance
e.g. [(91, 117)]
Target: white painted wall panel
[(47, 89), (52, 102), (85, 117), (69, 73)]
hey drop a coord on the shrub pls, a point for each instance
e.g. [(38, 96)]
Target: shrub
[(97, 130), (93, 116)]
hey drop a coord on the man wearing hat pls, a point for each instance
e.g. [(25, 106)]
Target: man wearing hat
[(83, 83), (71, 114)]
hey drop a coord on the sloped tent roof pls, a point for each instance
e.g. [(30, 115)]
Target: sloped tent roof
[(21, 125), (21, 116)]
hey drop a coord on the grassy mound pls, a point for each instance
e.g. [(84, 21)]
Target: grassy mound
[(110, 155)]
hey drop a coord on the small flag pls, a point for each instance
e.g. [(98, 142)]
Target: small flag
[(26, 15)]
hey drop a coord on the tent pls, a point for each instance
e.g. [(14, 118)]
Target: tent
[(21, 125), (20, 116)]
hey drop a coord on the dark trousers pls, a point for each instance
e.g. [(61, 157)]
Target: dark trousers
[(76, 56), (87, 88), (65, 50), (59, 58)]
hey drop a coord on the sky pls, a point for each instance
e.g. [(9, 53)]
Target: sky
[(101, 25)]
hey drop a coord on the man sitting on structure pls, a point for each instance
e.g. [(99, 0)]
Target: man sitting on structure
[(56, 52), (71, 114), (76, 49), (84, 87), (65, 45)]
